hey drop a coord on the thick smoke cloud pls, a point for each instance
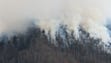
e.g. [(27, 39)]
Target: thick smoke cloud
[(90, 15), (50, 15)]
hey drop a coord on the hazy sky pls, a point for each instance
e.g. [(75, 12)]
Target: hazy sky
[(87, 13), (33, 8)]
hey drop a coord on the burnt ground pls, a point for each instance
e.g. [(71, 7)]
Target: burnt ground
[(33, 47)]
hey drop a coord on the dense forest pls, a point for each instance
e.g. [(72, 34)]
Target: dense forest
[(33, 47)]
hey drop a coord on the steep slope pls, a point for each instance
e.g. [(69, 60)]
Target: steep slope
[(33, 47)]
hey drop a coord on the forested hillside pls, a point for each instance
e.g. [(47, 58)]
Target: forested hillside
[(33, 47)]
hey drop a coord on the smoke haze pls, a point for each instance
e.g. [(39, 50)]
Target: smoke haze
[(50, 15)]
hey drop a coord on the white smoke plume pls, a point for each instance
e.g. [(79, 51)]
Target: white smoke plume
[(50, 15)]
